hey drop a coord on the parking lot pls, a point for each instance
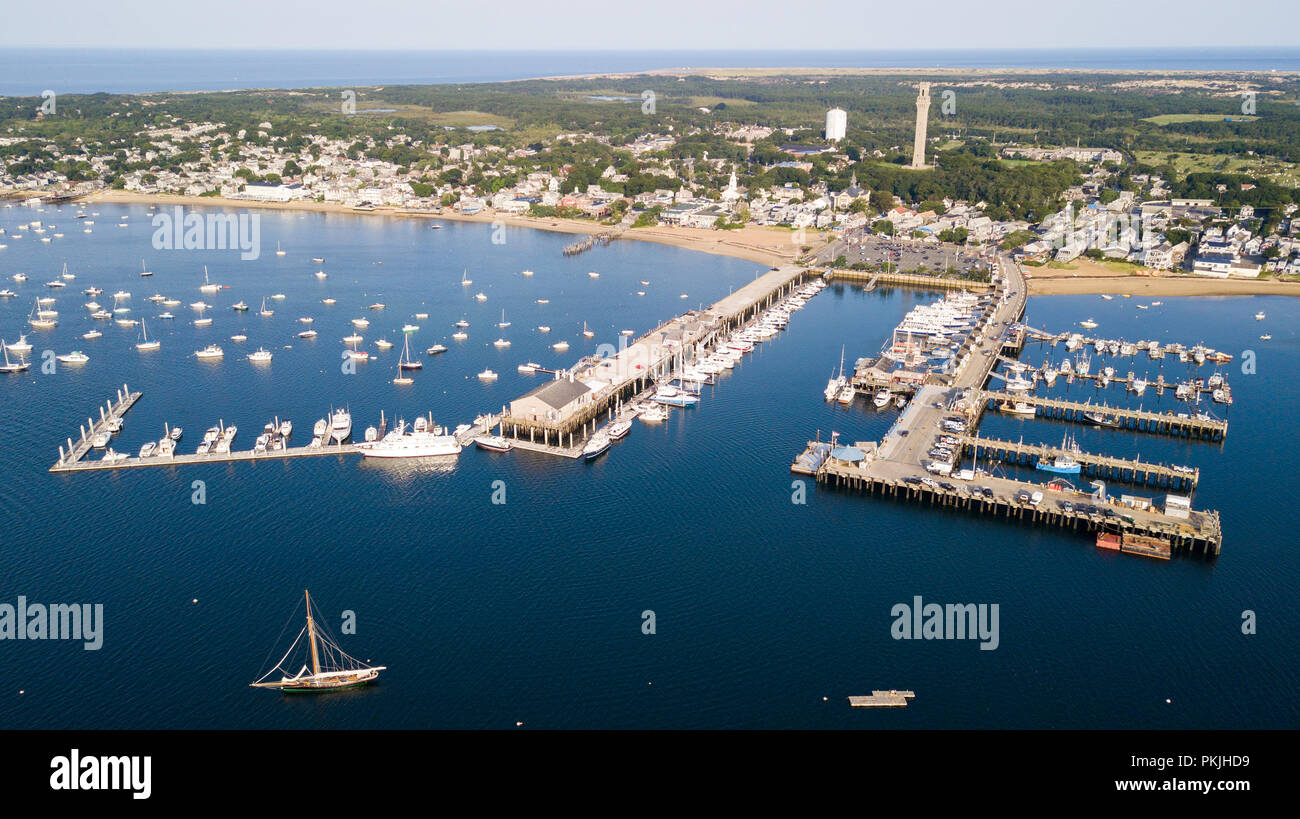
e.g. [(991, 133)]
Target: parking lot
[(907, 255)]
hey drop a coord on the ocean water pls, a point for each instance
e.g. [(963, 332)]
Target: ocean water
[(490, 614), (30, 71)]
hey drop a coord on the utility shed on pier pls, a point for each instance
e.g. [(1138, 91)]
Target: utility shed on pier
[(553, 401)]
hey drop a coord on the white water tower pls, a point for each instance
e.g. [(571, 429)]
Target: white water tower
[(836, 123)]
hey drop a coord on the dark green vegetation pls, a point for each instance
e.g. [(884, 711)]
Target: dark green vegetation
[(1098, 110)]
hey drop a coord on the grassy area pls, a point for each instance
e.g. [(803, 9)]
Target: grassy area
[(1170, 119), (709, 102), (1281, 173), (1017, 163)]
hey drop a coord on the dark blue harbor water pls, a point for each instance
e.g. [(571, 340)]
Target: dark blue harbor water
[(531, 611), (30, 71)]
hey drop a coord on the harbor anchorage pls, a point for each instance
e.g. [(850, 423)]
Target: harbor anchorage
[(920, 458)]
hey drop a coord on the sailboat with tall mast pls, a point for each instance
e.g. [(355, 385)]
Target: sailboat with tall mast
[(147, 343), (331, 668)]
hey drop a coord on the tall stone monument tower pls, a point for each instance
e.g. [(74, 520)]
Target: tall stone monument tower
[(922, 114)]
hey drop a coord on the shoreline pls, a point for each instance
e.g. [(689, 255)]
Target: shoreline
[(769, 246)]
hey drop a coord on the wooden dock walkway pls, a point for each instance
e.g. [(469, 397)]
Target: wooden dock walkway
[(1134, 420), (1200, 531), (1129, 470), (213, 457), (874, 278), (883, 699), (113, 410)]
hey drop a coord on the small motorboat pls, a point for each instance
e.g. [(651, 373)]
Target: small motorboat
[(493, 443)]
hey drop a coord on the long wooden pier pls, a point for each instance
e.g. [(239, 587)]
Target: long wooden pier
[(1135, 420), (112, 411), (210, 458), (1200, 531), (1130, 470)]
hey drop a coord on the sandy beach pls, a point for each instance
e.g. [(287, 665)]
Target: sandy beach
[(1086, 276), (769, 246)]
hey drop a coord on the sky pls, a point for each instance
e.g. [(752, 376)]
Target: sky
[(660, 25)]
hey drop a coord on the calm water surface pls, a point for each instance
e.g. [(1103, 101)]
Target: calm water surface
[(489, 614)]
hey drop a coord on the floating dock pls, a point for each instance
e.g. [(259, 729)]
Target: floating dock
[(883, 699), (210, 458), (112, 411)]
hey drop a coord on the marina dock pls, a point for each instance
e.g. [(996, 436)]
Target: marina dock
[(900, 465), (897, 279), (1130, 470), (556, 417), (882, 699), (212, 457), (112, 411), (1133, 420)]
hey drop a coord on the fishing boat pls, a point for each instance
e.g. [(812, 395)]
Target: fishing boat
[(337, 672), (360, 323), (383, 344), (320, 274), (493, 443), (436, 349), (480, 296), (241, 306), (93, 334), (238, 337), (619, 430), (262, 356), (593, 274), (379, 305), (596, 446), (210, 352), (328, 301), (1018, 408), (410, 328), (460, 335), (543, 328), (1089, 323), (1063, 463), (111, 456), (487, 375), (882, 398), (307, 334), (560, 346), (74, 357), (500, 342), (526, 273), (22, 346), (1260, 316), (1101, 419)]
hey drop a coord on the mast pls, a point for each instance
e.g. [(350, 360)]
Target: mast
[(311, 631)]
